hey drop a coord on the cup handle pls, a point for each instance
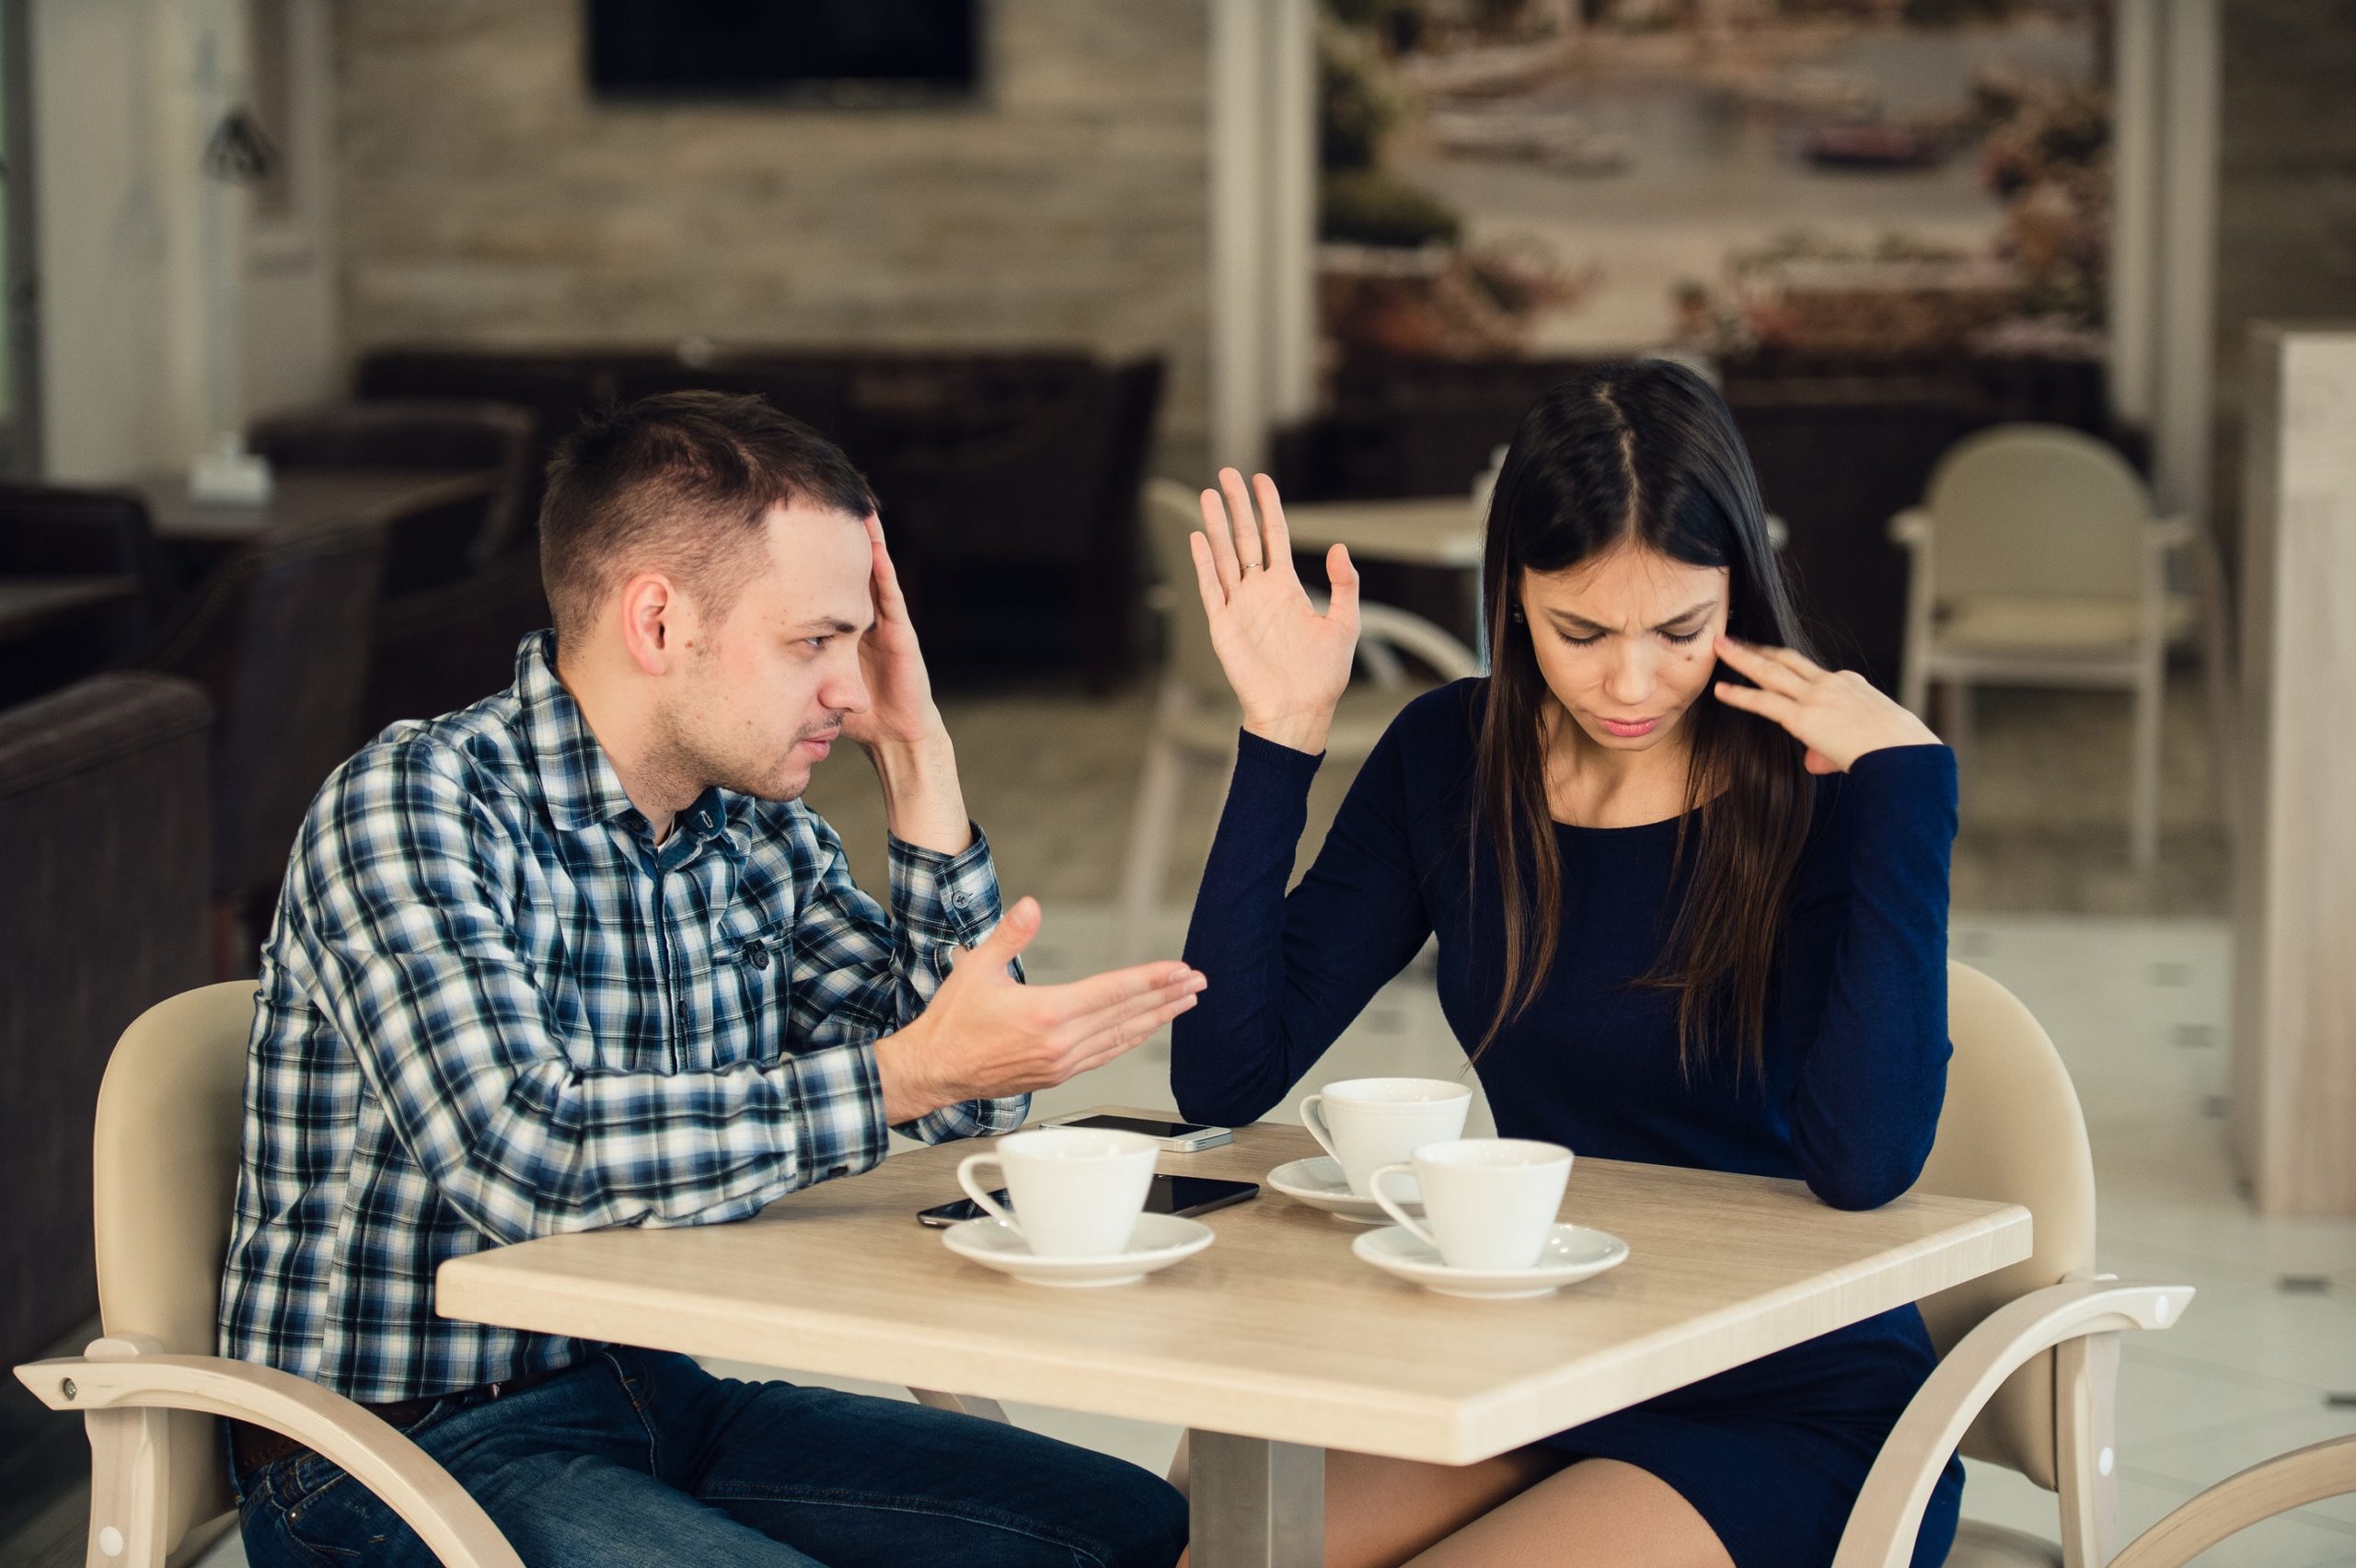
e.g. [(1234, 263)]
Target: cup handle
[(1407, 1221), (1312, 1116), (980, 1195)]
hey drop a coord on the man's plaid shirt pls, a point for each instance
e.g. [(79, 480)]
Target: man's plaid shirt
[(492, 1009)]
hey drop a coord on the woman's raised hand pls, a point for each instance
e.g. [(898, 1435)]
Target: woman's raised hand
[(1286, 662), (1837, 714)]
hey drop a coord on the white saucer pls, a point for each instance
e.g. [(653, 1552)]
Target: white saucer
[(1159, 1241), (1318, 1183), (1573, 1253)]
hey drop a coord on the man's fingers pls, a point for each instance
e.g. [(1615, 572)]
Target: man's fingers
[(1088, 1026), (889, 601), (1127, 1037), (1081, 998), (1222, 539), (1239, 511)]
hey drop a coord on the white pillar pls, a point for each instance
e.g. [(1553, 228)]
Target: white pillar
[(1263, 222), (2184, 417), (2135, 203)]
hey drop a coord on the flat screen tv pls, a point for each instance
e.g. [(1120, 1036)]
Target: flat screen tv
[(824, 51)]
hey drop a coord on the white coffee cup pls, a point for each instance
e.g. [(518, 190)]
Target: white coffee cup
[(1366, 1122), (1492, 1202), (1077, 1191)]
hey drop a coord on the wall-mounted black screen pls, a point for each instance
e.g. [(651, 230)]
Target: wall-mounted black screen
[(817, 49)]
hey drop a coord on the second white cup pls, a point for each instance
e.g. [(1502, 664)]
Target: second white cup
[(1368, 1123), (1492, 1202), (1077, 1191)]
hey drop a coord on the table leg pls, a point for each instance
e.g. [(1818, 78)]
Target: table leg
[(1255, 1503)]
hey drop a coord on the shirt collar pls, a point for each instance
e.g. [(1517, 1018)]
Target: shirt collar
[(577, 779)]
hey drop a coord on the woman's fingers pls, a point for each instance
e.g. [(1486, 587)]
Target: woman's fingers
[(1773, 674), (1275, 535), (1247, 530), (1221, 538), (1751, 700), (1206, 575)]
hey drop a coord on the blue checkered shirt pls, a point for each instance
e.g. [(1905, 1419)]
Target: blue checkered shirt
[(493, 1009)]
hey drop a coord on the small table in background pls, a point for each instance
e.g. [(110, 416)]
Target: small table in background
[(28, 604), (1274, 1344), (304, 498)]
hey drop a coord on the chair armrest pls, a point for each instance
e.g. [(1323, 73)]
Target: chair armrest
[(125, 1373), (1889, 1513), (2274, 1486), (1395, 627), (1910, 528)]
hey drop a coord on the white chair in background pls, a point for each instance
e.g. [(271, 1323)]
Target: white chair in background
[(1195, 717), (2036, 560)]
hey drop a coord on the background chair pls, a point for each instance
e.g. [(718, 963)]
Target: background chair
[(51, 531), (170, 1114), (278, 637), (1195, 716), (2029, 1354), (2037, 560), (102, 792)]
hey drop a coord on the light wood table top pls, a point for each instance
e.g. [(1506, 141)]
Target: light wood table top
[(1275, 1332), (28, 604), (1425, 531), (306, 498)]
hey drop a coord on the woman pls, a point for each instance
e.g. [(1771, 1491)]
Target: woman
[(1660, 939)]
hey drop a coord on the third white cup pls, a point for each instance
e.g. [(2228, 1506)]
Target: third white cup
[(1491, 1203)]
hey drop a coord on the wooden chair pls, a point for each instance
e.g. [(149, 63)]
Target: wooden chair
[(2037, 560), (171, 1110), (1195, 717), (2029, 1354), (170, 1119)]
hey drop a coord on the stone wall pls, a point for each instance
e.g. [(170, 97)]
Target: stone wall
[(486, 199)]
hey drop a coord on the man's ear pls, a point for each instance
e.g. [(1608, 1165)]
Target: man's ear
[(658, 624)]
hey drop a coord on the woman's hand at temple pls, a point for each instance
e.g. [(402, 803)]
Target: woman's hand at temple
[(1287, 662), (1837, 715)]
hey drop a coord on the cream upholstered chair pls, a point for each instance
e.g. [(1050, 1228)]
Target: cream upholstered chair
[(1195, 717), (170, 1116), (2036, 560), (2030, 1352)]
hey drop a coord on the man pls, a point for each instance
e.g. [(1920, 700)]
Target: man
[(576, 957)]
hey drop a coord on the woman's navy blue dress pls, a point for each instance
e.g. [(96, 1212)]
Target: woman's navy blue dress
[(1773, 1453)]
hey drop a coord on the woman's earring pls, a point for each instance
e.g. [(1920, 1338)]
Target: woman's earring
[(1513, 614)]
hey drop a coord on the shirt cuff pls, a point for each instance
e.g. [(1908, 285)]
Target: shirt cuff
[(1264, 755), (839, 1091), (945, 899)]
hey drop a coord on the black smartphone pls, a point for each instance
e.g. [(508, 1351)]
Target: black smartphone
[(1170, 1195)]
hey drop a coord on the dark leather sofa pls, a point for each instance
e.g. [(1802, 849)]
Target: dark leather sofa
[(103, 787)]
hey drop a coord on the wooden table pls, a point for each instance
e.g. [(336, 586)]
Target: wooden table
[(30, 604), (306, 498), (1443, 531), (1274, 1345)]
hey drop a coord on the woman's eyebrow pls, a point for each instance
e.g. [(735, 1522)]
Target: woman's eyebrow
[(1570, 622)]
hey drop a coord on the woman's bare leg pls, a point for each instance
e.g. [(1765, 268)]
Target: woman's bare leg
[(1380, 1513), (1595, 1514)]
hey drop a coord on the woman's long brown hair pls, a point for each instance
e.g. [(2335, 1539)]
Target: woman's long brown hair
[(1644, 452)]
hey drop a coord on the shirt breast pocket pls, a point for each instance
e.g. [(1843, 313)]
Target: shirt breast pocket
[(751, 974)]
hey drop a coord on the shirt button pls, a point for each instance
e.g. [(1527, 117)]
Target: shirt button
[(960, 900), (757, 955)]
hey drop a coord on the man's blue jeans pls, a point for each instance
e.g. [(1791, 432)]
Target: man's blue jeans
[(636, 1457)]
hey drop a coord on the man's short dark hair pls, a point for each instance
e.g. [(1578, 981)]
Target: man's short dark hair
[(681, 483)]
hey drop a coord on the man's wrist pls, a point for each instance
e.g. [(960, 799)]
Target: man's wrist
[(899, 1071), (923, 801)]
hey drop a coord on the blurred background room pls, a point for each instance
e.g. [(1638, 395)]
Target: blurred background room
[(2039, 318)]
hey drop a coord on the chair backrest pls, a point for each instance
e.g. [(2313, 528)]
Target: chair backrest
[(1172, 512), (427, 435), (171, 1114), (2038, 509), (2011, 1130), (279, 637)]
